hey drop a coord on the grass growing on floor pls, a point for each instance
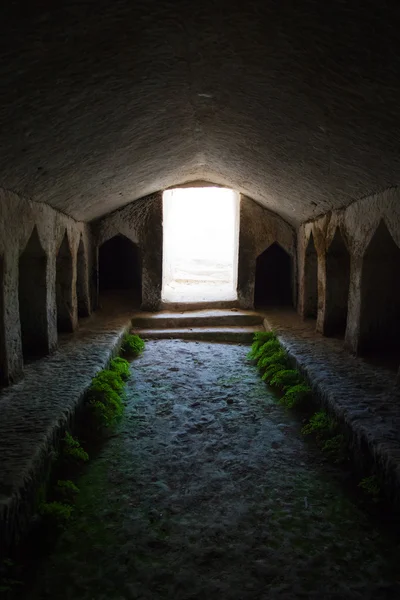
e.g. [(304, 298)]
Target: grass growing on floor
[(294, 392), (132, 345)]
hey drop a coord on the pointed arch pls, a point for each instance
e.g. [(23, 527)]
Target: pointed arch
[(82, 281), (32, 298), (120, 266), (64, 286), (273, 281), (337, 265), (380, 295), (311, 280)]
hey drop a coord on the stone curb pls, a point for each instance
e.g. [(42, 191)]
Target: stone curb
[(368, 414), (35, 414)]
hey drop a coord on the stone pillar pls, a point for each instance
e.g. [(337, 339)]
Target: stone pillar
[(151, 245), (354, 307)]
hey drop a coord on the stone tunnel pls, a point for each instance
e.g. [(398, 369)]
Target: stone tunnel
[(106, 106)]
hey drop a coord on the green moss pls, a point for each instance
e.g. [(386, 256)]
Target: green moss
[(108, 378), (296, 396), (267, 350), (277, 357), (335, 449), (71, 449), (120, 366), (370, 485), (132, 345), (66, 490), (57, 512), (260, 338), (271, 370), (285, 379), (320, 423)]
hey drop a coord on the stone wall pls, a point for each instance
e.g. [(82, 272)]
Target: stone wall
[(140, 222), (358, 250), (31, 235), (259, 228)]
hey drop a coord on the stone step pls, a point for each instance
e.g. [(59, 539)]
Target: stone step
[(208, 334), (201, 318)]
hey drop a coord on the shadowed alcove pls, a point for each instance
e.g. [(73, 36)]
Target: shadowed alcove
[(273, 282), (311, 280), (64, 287), (2, 340), (380, 296), (82, 291), (337, 286), (32, 292), (120, 267)]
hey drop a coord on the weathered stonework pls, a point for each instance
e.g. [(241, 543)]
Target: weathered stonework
[(141, 222), (259, 228), (19, 220), (36, 412), (356, 226), (363, 398)]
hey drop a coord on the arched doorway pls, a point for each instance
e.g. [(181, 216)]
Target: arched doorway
[(120, 267), (32, 298), (64, 287), (337, 286), (311, 280), (82, 283), (380, 296), (273, 282)]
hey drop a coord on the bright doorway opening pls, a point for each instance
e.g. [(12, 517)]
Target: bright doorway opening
[(200, 245)]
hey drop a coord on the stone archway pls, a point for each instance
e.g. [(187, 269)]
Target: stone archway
[(337, 266), (273, 281), (380, 295), (120, 267), (82, 282), (32, 298), (65, 321), (310, 309)]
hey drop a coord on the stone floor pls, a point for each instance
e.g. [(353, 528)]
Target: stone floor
[(207, 490), (362, 395), (33, 410)]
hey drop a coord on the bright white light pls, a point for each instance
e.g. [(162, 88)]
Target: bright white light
[(200, 247)]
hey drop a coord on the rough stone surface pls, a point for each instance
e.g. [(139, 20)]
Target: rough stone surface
[(258, 229), (357, 225), (18, 219), (35, 412), (141, 222), (207, 490), (105, 103), (364, 398)]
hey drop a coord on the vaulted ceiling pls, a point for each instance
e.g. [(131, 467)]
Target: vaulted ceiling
[(296, 104)]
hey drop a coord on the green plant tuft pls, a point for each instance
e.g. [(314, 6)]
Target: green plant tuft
[(108, 378), (296, 395), (120, 366), (320, 423), (132, 345), (271, 370), (259, 339), (71, 448), (66, 489), (58, 512), (278, 357), (370, 485), (285, 379), (335, 448)]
